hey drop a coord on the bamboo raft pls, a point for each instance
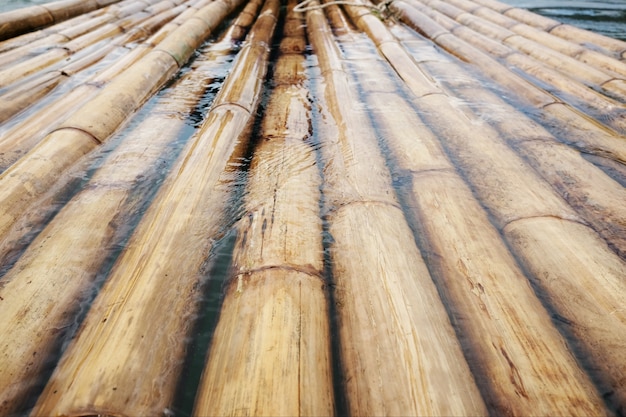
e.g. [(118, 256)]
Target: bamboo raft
[(228, 207)]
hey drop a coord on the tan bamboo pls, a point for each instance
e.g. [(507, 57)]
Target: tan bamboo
[(22, 137), (85, 225), (396, 342), (26, 19), (47, 60), (96, 120), (136, 359), (582, 292), (65, 27), (9, 57), (565, 31), (270, 352), (25, 95), (595, 196), (573, 127), (575, 50), (517, 196), (605, 109), (507, 347), (551, 55), (29, 92)]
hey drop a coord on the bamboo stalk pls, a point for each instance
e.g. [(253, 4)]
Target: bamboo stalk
[(22, 137), (67, 27), (596, 197), (33, 89), (487, 164), (90, 224), (508, 348), (569, 125), (27, 94), (582, 53), (96, 120), (565, 31), (50, 59), (603, 108), (384, 294), (270, 353), (550, 54), (137, 359), (32, 48), (26, 19)]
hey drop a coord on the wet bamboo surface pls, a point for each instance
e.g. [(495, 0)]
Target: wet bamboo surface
[(230, 207)]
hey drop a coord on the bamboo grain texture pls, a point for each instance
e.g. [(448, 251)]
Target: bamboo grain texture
[(435, 191), (143, 295), (276, 300), (231, 207), (359, 187), (91, 223)]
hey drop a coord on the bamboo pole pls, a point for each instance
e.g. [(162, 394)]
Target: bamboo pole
[(565, 31), (517, 38), (23, 136), (596, 292), (27, 94), (118, 8), (50, 60), (97, 119), (126, 358), (515, 196), (91, 224), (33, 89), (19, 53), (596, 197), (399, 354), (62, 33), (40, 35), (582, 53), (270, 352), (606, 110), (26, 19), (504, 327), (569, 125)]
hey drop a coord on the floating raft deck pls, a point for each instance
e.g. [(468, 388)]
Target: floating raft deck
[(414, 208)]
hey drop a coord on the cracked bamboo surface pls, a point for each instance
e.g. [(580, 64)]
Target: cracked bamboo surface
[(416, 210)]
